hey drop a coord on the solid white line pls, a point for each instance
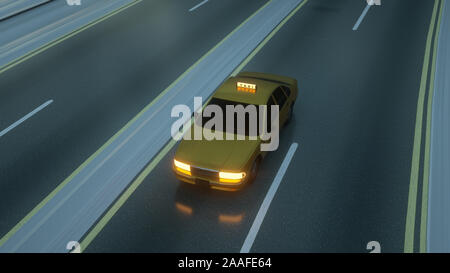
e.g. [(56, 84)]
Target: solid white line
[(17, 123), (198, 5), (361, 17), (267, 200)]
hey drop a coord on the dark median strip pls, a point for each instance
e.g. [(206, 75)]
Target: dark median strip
[(11, 8)]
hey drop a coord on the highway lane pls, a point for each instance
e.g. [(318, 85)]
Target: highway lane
[(10, 8), (357, 130), (27, 33), (348, 182), (98, 80)]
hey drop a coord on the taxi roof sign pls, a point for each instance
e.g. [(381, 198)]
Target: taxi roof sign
[(246, 87)]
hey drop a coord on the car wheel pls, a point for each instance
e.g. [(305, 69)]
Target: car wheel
[(254, 170), (291, 110)]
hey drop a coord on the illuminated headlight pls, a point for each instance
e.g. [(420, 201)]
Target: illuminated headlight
[(182, 167), (231, 177)]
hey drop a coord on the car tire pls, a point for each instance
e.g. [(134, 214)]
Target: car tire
[(254, 170), (291, 110)]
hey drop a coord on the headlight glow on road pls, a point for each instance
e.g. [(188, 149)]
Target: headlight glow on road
[(184, 208)]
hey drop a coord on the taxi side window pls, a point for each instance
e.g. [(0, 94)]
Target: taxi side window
[(280, 97), (269, 113), (287, 91)]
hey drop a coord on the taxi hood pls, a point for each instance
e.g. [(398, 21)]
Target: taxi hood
[(223, 155)]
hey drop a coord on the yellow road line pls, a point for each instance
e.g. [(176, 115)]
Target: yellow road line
[(267, 39), (135, 184), (415, 161), (426, 164)]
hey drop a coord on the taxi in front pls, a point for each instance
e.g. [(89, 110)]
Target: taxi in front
[(230, 164)]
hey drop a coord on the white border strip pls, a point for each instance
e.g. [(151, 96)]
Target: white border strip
[(29, 115), (267, 200), (198, 5), (361, 17)]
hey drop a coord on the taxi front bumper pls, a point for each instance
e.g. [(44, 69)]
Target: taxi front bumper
[(207, 178)]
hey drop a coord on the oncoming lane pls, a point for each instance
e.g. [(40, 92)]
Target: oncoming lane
[(100, 78)]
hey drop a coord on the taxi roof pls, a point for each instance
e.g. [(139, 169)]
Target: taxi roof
[(228, 90)]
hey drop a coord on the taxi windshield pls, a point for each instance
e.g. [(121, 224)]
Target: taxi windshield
[(222, 104)]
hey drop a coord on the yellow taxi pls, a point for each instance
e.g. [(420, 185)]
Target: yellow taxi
[(230, 164)]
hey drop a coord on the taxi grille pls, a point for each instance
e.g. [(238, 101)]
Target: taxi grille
[(204, 173)]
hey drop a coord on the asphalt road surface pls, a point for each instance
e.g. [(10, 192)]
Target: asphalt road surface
[(97, 81), (348, 181)]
